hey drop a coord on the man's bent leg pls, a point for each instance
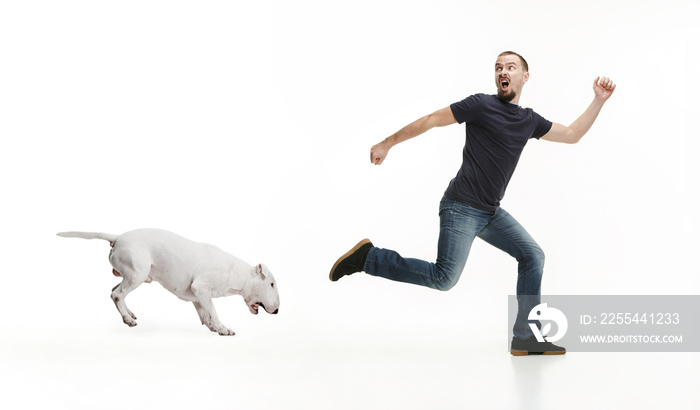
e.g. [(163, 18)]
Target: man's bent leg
[(505, 233), (459, 225)]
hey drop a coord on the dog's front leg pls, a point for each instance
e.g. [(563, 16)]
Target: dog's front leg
[(207, 313), (201, 313), (208, 319)]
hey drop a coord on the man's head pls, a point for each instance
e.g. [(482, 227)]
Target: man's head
[(511, 74)]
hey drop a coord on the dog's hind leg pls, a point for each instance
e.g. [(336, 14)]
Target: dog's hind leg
[(133, 316), (135, 268), (119, 294)]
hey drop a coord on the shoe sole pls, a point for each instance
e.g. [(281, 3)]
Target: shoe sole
[(348, 253), (527, 353)]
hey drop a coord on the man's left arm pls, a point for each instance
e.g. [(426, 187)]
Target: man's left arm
[(603, 89)]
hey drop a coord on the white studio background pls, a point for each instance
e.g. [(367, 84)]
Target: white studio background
[(248, 125)]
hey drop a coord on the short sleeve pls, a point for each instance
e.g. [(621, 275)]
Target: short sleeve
[(542, 126), (468, 109)]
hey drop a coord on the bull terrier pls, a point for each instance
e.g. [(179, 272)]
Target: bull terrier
[(194, 272)]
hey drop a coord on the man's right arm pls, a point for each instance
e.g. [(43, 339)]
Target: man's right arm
[(439, 118)]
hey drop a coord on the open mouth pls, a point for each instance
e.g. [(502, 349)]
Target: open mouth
[(504, 84), (255, 307)]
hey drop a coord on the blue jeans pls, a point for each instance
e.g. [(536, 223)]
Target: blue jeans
[(459, 225)]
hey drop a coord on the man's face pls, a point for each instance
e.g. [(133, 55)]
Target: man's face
[(510, 77)]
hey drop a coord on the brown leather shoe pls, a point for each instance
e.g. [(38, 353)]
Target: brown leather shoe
[(353, 261), (531, 346)]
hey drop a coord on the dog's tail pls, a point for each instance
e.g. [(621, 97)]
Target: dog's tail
[(89, 235)]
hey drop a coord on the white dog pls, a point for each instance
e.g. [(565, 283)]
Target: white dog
[(194, 272)]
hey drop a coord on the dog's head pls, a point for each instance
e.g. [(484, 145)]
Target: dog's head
[(262, 291)]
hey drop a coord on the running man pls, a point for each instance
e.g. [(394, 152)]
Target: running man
[(497, 129)]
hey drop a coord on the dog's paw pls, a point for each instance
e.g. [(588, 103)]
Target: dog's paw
[(226, 332), (129, 322)]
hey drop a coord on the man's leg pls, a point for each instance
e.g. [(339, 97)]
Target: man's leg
[(459, 225), (505, 233)]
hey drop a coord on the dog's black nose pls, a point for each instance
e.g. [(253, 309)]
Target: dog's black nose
[(275, 312)]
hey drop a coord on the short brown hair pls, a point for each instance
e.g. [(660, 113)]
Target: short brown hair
[(505, 53)]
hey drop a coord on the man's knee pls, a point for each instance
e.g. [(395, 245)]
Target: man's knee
[(535, 256), (445, 280)]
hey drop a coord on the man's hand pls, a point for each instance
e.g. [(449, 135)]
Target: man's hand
[(603, 88), (378, 152)]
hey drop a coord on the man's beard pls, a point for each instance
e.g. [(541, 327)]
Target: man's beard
[(506, 97)]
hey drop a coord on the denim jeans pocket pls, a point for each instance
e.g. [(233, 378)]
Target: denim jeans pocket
[(446, 204), (470, 211)]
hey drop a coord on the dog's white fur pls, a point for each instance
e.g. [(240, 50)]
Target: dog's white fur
[(194, 272)]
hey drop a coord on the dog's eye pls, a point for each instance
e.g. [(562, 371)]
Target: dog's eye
[(272, 284)]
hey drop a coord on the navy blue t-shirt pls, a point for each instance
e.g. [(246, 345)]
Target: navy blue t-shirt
[(497, 132)]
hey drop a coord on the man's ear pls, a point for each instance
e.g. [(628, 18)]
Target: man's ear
[(526, 77), (260, 271)]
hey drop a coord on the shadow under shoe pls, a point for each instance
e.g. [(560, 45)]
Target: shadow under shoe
[(353, 261)]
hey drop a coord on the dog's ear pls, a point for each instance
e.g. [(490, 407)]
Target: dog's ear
[(260, 271)]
